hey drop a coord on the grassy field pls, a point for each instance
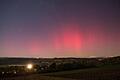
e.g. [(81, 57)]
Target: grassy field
[(37, 77), (104, 73)]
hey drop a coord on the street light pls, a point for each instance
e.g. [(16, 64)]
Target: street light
[(29, 66)]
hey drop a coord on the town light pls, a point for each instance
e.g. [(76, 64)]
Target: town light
[(29, 66)]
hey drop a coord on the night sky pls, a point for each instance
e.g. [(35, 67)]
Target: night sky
[(59, 28)]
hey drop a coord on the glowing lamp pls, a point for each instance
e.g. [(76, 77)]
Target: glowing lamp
[(29, 66)]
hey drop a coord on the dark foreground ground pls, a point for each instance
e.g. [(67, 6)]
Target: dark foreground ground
[(103, 73)]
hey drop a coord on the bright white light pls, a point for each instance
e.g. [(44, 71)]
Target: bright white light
[(29, 66)]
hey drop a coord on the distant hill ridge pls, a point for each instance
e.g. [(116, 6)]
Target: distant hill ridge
[(13, 60)]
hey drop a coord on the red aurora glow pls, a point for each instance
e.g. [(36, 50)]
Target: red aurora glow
[(69, 39)]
